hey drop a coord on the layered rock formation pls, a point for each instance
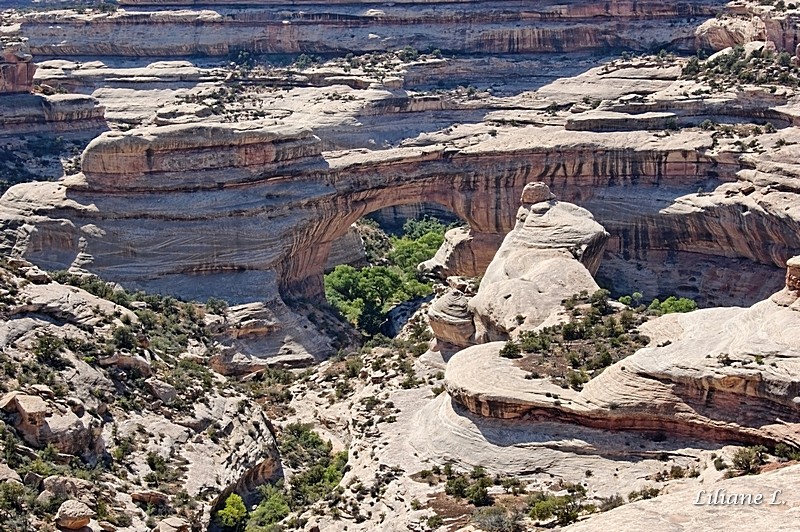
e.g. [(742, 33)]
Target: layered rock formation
[(248, 210), (507, 27), (16, 68), (725, 374), (749, 21), (22, 111), (550, 254)]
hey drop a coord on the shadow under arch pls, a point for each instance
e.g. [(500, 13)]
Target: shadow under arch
[(488, 207)]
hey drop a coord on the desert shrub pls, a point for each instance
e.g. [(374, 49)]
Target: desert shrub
[(642, 494), (317, 470), (498, 519), (510, 350), (748, 460), (565, 508), (48, 348)]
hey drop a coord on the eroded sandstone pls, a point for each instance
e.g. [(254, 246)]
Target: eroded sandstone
[(715, 361)]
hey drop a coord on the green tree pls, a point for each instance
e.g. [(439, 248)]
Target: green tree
[(124, 338), (234, 513), (407, 252), (270, 510)]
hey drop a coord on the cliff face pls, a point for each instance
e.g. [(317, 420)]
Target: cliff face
[(241, 183), (16, 68), (190, 209), (22, 112), (751, 21), (203, 200), (505, 27)]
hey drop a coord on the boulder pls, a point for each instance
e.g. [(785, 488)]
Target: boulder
[(536, 192), (173, 524), (74, 515), (163, 391), (451, 319), (67, 486), (6, 473), (150, 497)]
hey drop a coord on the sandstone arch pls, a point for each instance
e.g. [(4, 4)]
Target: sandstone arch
[(254, 208)]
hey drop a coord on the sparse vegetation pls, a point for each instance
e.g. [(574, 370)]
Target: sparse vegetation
[(761, 66), (572, 353)]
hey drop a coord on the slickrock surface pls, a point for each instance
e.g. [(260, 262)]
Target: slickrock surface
[(549, 255), (725, 374), (216, 173), (676, 511)]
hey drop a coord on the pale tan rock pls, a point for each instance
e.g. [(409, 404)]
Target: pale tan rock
[(124, 33), (676, 511), (155, 498), (451, 319), (793, 274), (173, 524), (68, 302), (726, 375), (67, 486), (464, 252), (161, 390), (718, 34), (536, 192), (73, 515), (128, 361), (550, 255), (41, 424), (6, 473)]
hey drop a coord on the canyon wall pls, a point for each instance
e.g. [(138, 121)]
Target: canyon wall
[(464, 27), (16, 68), (211, 211)]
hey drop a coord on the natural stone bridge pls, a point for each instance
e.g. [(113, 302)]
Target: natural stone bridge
[(248, 212), (177, 207)]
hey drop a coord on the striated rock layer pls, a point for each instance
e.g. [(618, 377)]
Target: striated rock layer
[(21, 111), (499, 27), (725, 374), (213, 207)]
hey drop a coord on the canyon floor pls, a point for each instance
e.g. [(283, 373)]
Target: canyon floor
[(178, 179)]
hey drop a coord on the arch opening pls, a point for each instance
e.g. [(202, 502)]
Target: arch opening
[(378, 284)]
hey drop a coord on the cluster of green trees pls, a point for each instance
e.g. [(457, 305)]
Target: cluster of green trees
[(364, 295), (317, 473), (672, 304)]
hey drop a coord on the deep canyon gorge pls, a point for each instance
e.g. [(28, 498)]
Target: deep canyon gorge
[(179, 176)]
